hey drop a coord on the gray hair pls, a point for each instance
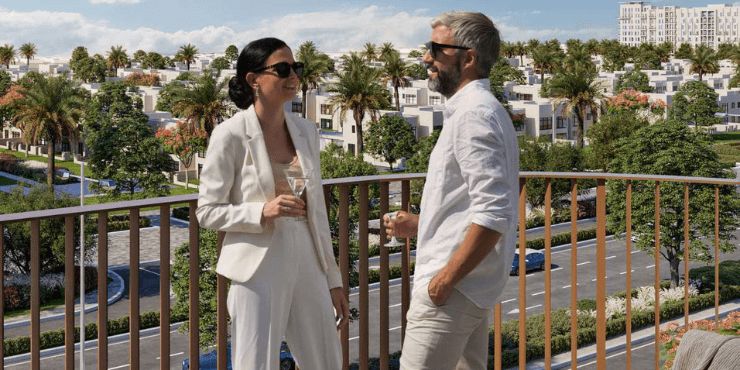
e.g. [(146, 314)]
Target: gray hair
[(473, 30)]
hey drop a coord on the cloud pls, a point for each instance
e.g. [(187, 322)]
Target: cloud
[(58, 33), (536, 12), (114, 1)]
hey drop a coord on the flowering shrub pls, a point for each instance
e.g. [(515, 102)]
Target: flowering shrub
[(671, 336), (633, 100), (140, 79)]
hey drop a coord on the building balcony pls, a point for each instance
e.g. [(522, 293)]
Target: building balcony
[(372, 335)]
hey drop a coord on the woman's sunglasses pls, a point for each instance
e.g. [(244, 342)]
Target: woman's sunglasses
[(434, 47), (283, 69)]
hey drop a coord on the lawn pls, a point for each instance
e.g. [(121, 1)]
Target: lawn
[(177, 190), (726, 137), (70, 165), (7, 181)]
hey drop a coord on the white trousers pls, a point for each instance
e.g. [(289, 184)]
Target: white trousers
[(287, 296), (452, 336)]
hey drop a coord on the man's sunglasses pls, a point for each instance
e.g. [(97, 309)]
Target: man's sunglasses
[(283, 69), (434, 47)]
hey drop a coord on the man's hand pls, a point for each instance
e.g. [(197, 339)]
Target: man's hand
[(404, 226), (341, 306), (439, 290)]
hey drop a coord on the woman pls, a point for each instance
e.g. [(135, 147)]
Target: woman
[(277, 251)]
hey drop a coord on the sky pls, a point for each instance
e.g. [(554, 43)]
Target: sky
[(57, 27)]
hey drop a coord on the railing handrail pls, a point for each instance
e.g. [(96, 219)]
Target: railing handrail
[(152, 202)]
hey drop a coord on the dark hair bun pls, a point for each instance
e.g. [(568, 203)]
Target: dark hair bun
[(240, 93)]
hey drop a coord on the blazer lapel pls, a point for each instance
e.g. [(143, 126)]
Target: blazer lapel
[(260, 157), (300, 142)]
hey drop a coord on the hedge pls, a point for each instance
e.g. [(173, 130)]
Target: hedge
[(183, 213), (121, 222)]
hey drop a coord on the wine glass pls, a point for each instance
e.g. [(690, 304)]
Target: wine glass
[(394, 242), (297, 183)]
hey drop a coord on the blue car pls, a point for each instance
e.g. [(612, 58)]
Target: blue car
[(535, 260), (209, 361)]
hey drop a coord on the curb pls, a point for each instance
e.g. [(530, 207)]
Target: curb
[(117, 282)]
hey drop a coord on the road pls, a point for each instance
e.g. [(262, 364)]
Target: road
[(643, 274)]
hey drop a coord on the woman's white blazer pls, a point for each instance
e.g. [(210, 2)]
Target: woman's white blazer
[(237, 180)]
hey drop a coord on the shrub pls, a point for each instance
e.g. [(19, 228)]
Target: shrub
[(182, 213)]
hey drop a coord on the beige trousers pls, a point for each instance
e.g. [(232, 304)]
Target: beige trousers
[(452, 336), (287, 296)]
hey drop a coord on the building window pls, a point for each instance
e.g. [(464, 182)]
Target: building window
[(325, 109), (527, 97), (435, 100), (175, 166), (560, 121), (297, 107), (351, 148), (326, 124), (353, 129), (546, 123), (16, 135), (732, 105), (588, 116), (410, 99)]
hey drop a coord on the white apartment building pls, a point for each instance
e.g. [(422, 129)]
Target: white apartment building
[(640, 22)]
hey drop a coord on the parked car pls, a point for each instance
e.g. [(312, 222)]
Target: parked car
[(209, 361), (107, 185), (534, 260)]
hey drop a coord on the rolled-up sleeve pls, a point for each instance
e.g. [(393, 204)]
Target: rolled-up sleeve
[(481, 154), (215, 208)]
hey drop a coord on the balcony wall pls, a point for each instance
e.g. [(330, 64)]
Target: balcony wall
[(346, 189)]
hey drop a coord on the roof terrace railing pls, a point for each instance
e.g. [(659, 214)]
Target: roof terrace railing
[(346, 198)]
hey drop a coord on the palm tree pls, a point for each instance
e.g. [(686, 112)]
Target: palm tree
[(575, 86), (544, 60), (370, 51), (186, 55), (519, 49), (51, 110), (703, 61), (388, 51), (315, 64), (593, 47), (204, 104), (7, 54), (352, 61), (28, 51), (396, 72), (531, 45), (117, 57), (358, 90)]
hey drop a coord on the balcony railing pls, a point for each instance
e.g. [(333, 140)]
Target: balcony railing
[(344, 187)]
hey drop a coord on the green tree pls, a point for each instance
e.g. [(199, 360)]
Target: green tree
[(537, 154), (207, 278), (614, 59), (647, 58), (418, 71), (395, 72), (7, 54), (184, 143), (358, 89), (168, 96), (91, 69), (139, 56), (519, 49), (419, 162), (232, 53), (703, 61), (575, 86), (51, 110), (502, 72), (415, 54), (671, 148), (604, 135), (633, 80), (544, 60), (28, 51), (725, 50), (123, 144), (221, 63), (78, 54), (695, 103), (117, 57), (684, 51), (17, 236), (593, 46), (387, 52), (187, 54), (153, 61), (390, 139), (315, 65), (203, 104), (370, 52)]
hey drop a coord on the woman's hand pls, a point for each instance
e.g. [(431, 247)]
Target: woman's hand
[(283, 206), (341, 306), (404, 226)]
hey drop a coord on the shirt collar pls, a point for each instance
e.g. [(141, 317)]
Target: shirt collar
[(459, 98)]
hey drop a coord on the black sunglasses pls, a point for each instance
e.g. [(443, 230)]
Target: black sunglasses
[(434, 47), (283, 69)]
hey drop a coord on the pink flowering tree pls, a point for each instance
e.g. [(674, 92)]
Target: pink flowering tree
[(183, 142), (636, 102)]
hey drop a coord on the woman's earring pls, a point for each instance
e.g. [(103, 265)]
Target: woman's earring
[(256, 91)]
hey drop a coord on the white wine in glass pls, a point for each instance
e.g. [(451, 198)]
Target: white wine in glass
[(297, 184), (394, 242)]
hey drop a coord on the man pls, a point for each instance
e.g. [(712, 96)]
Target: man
[(466, 229)]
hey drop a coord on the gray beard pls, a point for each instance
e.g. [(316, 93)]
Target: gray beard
[(446, 82)]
